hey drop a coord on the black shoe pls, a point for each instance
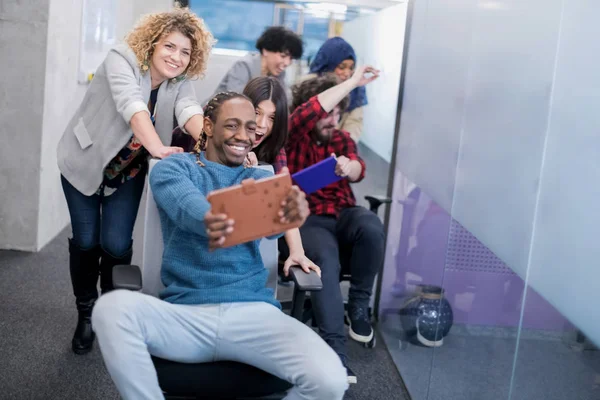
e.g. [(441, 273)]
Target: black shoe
[(360, 326), (351, 375)]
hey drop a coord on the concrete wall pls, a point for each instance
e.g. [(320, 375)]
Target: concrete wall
[(23, 30), (38, 94)]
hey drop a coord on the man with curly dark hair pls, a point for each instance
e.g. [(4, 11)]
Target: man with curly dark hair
[(277, 47), (337, 227)]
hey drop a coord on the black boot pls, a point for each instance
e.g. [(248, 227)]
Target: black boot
[(107, 262), (84, 336), (84, 277)]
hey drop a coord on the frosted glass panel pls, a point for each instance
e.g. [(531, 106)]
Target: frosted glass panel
[(505, 124), (434, 96), (566, 250), (490, 287), (480, 100)]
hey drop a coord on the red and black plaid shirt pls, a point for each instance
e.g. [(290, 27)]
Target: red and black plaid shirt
[(302, 152), (280, 161)]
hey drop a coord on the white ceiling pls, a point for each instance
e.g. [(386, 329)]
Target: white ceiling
[(355, 3)]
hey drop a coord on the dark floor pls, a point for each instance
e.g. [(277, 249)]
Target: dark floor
[(38, 317)]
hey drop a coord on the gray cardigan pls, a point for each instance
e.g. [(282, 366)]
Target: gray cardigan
[(243, 71), (100, 127)]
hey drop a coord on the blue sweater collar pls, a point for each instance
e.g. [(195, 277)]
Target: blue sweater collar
[(219, 166)]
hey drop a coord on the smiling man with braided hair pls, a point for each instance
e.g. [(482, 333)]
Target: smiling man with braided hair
[(215, 305)]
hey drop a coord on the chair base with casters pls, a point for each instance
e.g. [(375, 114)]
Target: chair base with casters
[(215, 380)]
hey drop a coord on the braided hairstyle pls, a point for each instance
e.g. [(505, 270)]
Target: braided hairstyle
[(211, 110)]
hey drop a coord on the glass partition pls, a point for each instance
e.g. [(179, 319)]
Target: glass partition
[(490, 285)]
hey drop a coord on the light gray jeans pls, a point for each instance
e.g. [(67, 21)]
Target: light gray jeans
[(131, 326)]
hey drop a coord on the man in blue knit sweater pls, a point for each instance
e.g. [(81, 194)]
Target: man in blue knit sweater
[(215, 305)]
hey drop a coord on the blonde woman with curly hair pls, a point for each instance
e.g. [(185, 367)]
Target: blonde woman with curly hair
[(141, 89)]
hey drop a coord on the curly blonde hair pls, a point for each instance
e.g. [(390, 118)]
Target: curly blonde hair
[(154, 27)]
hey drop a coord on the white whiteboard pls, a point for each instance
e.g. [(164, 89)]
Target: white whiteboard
[(98, 35), (369, 36)]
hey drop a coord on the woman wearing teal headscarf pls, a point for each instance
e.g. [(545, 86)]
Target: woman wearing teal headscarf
[(338, 57)]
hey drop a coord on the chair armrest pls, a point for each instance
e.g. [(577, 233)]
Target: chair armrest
[(303, 283), (127, 277), (376, 201), (310, 282)]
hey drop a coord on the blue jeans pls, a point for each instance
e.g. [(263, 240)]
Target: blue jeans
[(105, 220), (131, 326)]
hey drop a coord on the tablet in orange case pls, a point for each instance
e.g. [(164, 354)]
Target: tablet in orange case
[(254, 206)]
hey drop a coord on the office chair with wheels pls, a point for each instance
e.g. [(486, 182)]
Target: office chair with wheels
[(302, 304), (216, 380)]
